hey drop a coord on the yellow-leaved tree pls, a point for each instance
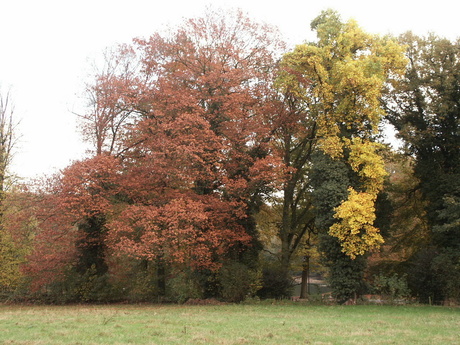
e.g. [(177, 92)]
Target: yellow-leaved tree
[(339, 79), (11, 254)]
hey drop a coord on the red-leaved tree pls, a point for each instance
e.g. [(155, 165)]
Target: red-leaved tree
[(181, 124), (70, 212), (206, 129)]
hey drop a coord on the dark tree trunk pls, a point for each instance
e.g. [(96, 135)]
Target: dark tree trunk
[(161, 277), (305, 273)]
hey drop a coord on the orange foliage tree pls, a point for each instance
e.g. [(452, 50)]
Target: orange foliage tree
[(201, 145), (182, 154)]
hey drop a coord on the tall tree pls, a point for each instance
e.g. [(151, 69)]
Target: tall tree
[(9, 255), (8, 140), (293, 138), (339, 79), (424, 107), (181, 160), (198, 142), (106, 125)]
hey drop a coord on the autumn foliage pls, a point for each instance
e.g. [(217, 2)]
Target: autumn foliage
[(83, 190), (210, 143), (180, 125)]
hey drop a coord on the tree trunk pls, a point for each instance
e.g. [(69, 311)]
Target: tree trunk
[(305, 273), (161, 277)]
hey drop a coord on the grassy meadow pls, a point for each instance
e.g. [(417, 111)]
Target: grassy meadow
[(229, 324)]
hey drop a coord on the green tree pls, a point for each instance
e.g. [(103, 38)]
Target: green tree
[(330, 178), (424, 107)]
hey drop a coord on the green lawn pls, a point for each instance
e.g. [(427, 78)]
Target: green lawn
[(229, 324)]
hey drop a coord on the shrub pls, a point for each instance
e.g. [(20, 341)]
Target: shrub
[(447, 268), (275, 284), (184, 285), (238, 281), (392, 286)]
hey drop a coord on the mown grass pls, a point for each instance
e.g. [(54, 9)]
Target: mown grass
[(229, 324)]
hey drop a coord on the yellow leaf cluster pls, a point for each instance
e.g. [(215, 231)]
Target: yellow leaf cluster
[(332, 145), (355, 229), (365, 160)]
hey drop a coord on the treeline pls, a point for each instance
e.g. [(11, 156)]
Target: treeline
[(223, 164)]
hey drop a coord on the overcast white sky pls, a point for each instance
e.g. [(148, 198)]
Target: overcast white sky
[(46, 47)]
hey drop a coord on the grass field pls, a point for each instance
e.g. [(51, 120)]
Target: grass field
[(229, 324)]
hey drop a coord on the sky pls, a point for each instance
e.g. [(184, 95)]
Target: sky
[(47, 48)]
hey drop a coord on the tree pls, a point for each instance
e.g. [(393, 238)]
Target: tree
[(10, 256), (330, 179), (53, 246), (339, 79), (182, 161), (409, 229), (424, 108), (218, 68), (293, 141), (70, 211), (106, 125), (191, 120), (8, 140)]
